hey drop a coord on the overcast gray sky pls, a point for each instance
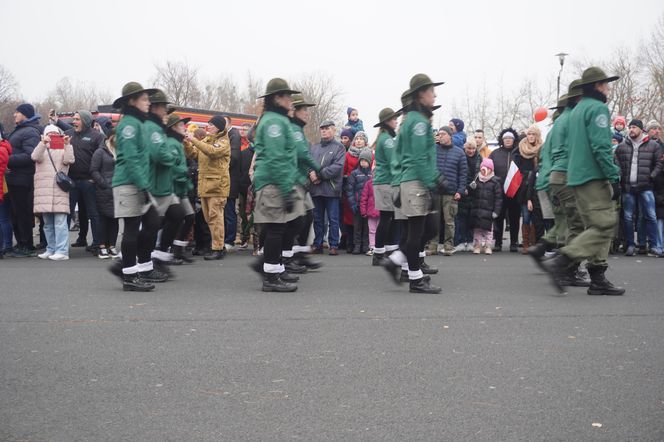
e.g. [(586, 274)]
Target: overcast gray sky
[(371, 48)]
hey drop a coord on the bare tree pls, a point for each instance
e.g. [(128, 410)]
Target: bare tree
[(222, 95), (652, 59), (321, 89), (70, 95), (255, 87), (180, 83), (8, 85)]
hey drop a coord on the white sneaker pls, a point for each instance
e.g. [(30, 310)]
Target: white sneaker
[(103, 254), (113, 252), (469, 247), (229, 247), (59, 257), (45, 255), (461, 248), (440, 248)]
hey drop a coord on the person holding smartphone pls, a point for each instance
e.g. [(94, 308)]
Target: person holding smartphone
[(53, 154)]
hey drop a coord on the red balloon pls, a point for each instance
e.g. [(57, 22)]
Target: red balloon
[(540, 114)]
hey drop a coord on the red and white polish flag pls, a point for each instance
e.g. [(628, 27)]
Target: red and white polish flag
[(513, 180)]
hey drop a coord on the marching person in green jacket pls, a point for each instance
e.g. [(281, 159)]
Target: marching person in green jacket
[(296, 259), (163, 156), (593, 176), (382, 183), (418, 178), (182, 186), (275, 176), (131, 185)]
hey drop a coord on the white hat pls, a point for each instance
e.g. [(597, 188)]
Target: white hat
[(50, 128)]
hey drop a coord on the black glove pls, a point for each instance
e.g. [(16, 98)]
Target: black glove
[(396, 197), (146, 197), (289, 201), (441, 184), (616, 191)]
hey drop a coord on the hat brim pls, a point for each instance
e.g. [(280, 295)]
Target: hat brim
[(181, 120), (304, 105), (389, 117), (117, 104), (436, 107), (434, 84), (599, 80), (281, 91)]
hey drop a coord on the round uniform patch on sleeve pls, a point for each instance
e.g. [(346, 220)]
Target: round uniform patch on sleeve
[(274, 131), (389, 143), (420, 129), (128, 132), (298, 136), (602, 121), (156, 138)]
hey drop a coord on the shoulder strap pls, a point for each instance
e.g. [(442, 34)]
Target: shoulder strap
[(48, 151)]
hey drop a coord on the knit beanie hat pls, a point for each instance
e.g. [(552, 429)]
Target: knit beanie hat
[(50, 128), (620, 119), (652, 124), (219, 122), (362, 135), (347, 133), (366, 154), (637, 123), (488, 163), (26, 109), (446, 129), (350, 110), (86, 117), (618, 137), (458, 124)]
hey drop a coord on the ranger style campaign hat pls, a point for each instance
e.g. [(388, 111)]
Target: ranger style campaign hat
[(278, 86), (159, 97), (130, 89), (298, 101), (386, 115), (406, 101), (562, 102), (595, 75), (174, 119), (420, 81), (574, 89)]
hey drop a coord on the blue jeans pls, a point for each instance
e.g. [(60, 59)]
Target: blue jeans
[(464, 231), (322, 206), (56, 230), (230, 221), (526, 215), (5, 226), (646, 199), (85, 191), (660, 235)]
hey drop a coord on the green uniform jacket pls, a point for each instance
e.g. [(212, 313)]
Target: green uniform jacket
[(181, 182), (213, 154), (590, 153), (385, 146), (276, 156), (560, 142), (132, 163), (416, 150), (305, 162), (544, 171), (162, 159)]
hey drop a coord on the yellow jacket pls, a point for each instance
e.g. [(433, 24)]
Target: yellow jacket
[(214, 155)]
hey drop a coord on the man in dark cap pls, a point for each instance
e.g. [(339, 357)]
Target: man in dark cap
[(20, 176), (640, 162)]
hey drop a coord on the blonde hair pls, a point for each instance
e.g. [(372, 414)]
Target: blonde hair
[(470, 142)]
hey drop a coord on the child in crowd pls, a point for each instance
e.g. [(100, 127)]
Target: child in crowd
[(619, 126), (354, 189), (346, 137), (369, 212), (616, 140), (354, 123), (486, 207)]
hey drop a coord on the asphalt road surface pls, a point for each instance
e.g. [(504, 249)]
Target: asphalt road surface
[(349, 356)]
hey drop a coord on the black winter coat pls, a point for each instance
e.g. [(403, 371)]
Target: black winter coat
[(24, 139), (488, 200), (501, 161), (355, 185), (85, 143), (235, 166), (102, 166), (527, 168), (649, 164), (245, 160), (466, 203)]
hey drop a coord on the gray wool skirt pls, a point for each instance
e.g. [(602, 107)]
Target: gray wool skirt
[(416, 199), (270, 206)]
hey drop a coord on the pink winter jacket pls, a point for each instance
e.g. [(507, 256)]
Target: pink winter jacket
[(368, 201), (49, 198)]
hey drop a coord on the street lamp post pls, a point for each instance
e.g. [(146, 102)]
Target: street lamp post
[(561, 58)]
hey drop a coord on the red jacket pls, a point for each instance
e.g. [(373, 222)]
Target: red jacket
[(5, 151), (368, 201)]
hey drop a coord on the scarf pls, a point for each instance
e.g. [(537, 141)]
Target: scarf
[(530, 151), (486, 178), (354, 151)]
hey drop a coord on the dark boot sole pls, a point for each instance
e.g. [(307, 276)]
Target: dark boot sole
[(430, 291), (279, 289), (603, 293), (132, 288)]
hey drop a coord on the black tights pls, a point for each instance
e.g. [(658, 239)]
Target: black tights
[(305, 228), (137, 242), (171, 225), (420, 230), (292, 229), (185, 227), (274, 239), (386, 227)]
